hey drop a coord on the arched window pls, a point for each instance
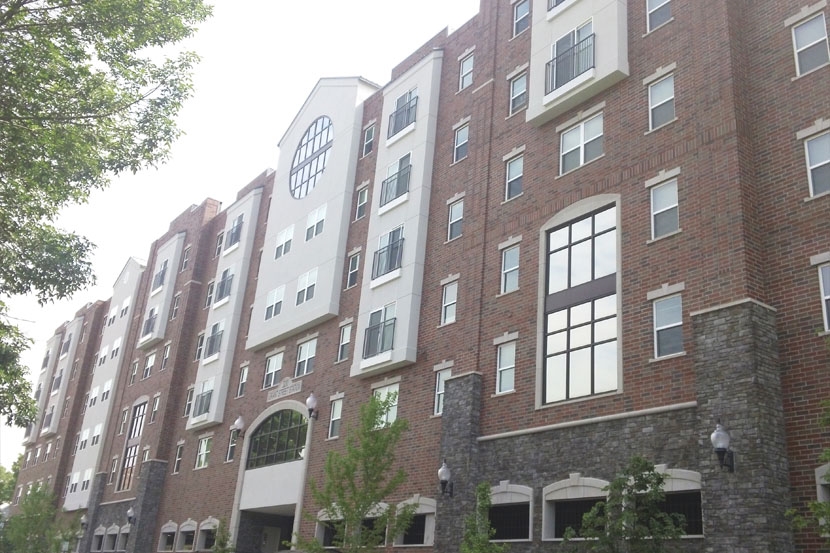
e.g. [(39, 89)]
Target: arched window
[(279, 439)]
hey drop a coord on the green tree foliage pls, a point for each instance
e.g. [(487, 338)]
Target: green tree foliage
[(358, 479), (8, 480), (86, 94), (35, 529), (222, 543), (817, 516), (477, 531), (631, 519)]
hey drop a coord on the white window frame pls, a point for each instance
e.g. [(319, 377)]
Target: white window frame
[(203, 452), (149, 362), (382, 392), (368, 140), (315, 222), (362, 203), (813, 165), (519, 19), (232, 441), (515, 104), (579, 130), (655, 211), (209, 294), (666, 325), (465, 71), (200, 345), (652, 8), (273, 366), (273, 302), (508, 271), (440, 381), (154, 410), (824, 285), (353, 268), (335, 417), (654, 105), (455, 220), (344, 342), (177, 463), (461, 142), (306, 285), (306, 351), (449, 302), (505, 367), (508, 179), (284, 238), (797, 50), (165, 356), (243, 380)]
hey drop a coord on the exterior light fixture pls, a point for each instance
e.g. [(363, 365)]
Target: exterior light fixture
[(131, 515), (720, 442), (311, 403), (83, 521), (444, 478), (239, 425)]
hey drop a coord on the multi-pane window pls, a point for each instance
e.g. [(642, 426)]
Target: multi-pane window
[(214, 340), (513, 177), (465, 72), (354, 266), (220, 241), (456, 220), (668, 326), (203, 398), (573, 55), (315, 221), (818, 163), (440, 381), (284, 238), (234, 437), (305, 286), (449, 299), (396, 183), (659, 12), (362, 202), (345, 340), (137, 423), (96, 437), (580, 339), (664, 210), (389, 255), (122, 425), (273, 364), (334, 419), (311, 157), (158, 278), (165, 356), (113, 474), (149, 361), (509, 269), (106, 393), (661, 102), (243, 378), (223, 289), (87, 478), (235, 233), (406, 108), (280, 438), (368, 140), (810, 42), (462, 138), (824, 279), (149, 322), (380, 334), (177, 463), (505, 367), (128, 468), (209, 294), (185, 258), (521, 16), (581, 144), (188, 402), (384, 393), (154, 410), (273, 302), (305, 357), (518, 93), (203, 452), (200, 344), (174, 311)]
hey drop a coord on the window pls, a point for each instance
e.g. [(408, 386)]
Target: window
[(518, 93), (185, 258), (235, 233), (279, 439), (440, 381), (96, 437), (668, 329), (209, 294), (116, 346), (232, 445), (818, 163), (76, 476), (87, 478), (203, 398), (128, 468), (311, 157), (149, 322), (510, 512), (149, 361), (223, 289), (810, 41), (456, 220), (449, 298), (165, 356), (661, 102), (315, 221), (368, 140), (462, 137), (122, 425), (509, 269), (125, 308), (273, 364), (580, 325), (396, 183), (659, 12), (305, 286), (65, 345), (188, 402), (81, 444), (664, 211), (334, 419), (113, 471), (405, 111), (186, 540), (177, 463), (389, 255), (305, 357), (465, 73), (824, 279), (513, 176), (581, 144), (389, 392), (243, 379), (106, 393), (380, 334), (354, 266), (203, 452), (345, 340), (174, 311), (284, 239), (506, 368), (137, 423), (214, 341), (200, 344), (273, 302), (158, 278), (521, 16), (168, 539), (362, 201), (220, 241), (154, 411), (573, 55)]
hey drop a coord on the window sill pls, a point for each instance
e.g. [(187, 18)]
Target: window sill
[(518, 110), (665, 357), (156, 290), (400, 134), (442, 325), (811, 71), (823, 334), (502, 394), (457, 161), (230, 249), (570, 400), (520, 33), (551, 97), (460, 90), (220, 303), (453, 239), (380, 358), (502, 294), (383, 279), (664, 125), (824, 194), (667, 235), (660, 26), (579, 167), (210, 359), (341, 360), (508, 200), (392, 204)]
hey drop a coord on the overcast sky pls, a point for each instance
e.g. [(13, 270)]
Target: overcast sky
[(260, 60)]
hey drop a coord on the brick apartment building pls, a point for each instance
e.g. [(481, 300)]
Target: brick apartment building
[(569, 232)]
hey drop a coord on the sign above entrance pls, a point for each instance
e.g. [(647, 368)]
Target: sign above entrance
[(286, 387)]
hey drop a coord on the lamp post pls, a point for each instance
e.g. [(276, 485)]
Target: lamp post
[(311, 403)]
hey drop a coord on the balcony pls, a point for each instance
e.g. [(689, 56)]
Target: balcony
[(395, 186), (223, 290), (379, 338), (570, 64), (387, 259), (158, 279), (553, 3), (214, 344), (56, 382), (202, 404), (47, 422), (234, 235), (149, 325), (402, 117)]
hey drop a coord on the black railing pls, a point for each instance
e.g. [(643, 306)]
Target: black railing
[(214, 342), (56, 382), (47, 422), (402, 117), (149, 325), (202, 405), (387, 259), (158, 280), (379, 338), (569, 64), (233, 235), (395, 186), (223, 290), (553, 3)]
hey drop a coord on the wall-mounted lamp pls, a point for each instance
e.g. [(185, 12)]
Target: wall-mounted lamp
[(84, 521), (311, 403), (131, 515), (239, 425), (444, 478), (720, 442)]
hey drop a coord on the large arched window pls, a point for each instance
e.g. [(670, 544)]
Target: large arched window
[(279, 439)]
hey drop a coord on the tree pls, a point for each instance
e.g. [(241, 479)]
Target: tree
[(631, 519), (477, 530), (222, 542), (35, 529), (358, 479), (8, 480), (85, 95), (818, 515)]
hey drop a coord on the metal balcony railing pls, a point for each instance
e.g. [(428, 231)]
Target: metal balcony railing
[(553, 3), (223, 290), (56, 381), (402, 117), (158, 280), (395, 186), (569, 64), (214, 343), (202, 404), (387, 259), (149, 325), (379, 338), (234, 235)]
